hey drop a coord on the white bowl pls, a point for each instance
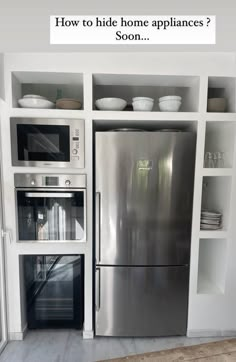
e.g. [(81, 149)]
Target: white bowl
[(111, 104), (34, 96), (169, 106), (168, 98), (143, 105), (35, 103), (142, 98)]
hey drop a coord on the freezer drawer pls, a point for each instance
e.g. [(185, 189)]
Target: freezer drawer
[(141, 301)]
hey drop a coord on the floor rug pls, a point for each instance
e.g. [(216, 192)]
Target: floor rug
[(221, 351)]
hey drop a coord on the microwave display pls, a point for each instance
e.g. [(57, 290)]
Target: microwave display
[(43, 142)]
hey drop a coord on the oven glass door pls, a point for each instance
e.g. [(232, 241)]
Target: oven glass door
[(51, 215), (43, 142)]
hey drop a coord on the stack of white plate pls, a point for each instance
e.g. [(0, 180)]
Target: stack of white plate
[(210, 220)]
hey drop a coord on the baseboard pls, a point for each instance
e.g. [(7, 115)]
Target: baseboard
[(88, 334), (211, 333), (18, 336)]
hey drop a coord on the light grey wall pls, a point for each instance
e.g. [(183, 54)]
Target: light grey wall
[(2, 91), (25, 23)]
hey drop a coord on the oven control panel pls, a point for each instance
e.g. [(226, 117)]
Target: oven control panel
[(38, 181)]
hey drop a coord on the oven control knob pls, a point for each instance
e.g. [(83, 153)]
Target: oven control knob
[(74, 151), (67, 182), (32, 182)]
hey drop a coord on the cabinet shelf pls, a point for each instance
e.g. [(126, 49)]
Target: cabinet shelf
[(220, 137), (46, 113), (127, 86), (216, 196), (223, 87), (143, 116), (47, 84), (213, 234), (220, 117), (217, 172)]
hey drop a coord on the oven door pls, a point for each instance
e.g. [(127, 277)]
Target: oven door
[(51, 215)]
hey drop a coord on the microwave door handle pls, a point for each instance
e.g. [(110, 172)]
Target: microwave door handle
[(98, 231), (67, 195)]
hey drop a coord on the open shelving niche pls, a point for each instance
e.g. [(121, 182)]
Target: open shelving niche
[(212, 266), (216, 192), (47, 84), (223, 87), (127, 86), (220, 136)]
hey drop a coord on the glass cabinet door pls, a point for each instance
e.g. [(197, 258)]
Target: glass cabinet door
[(51, 215)]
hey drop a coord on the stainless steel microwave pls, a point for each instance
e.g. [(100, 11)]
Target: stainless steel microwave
[(44, 142)]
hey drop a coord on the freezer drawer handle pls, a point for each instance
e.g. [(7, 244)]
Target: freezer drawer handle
[(97, 301), (98, 202)]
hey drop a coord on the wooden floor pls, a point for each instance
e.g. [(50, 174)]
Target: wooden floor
[(222, 351)]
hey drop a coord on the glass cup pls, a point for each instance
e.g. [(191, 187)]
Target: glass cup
[(208, 160), (219, 161)]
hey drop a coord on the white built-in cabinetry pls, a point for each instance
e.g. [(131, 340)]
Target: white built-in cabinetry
[(125, 76)]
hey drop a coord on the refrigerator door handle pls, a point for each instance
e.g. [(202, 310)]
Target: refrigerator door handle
[(98, 207), (98, 296)]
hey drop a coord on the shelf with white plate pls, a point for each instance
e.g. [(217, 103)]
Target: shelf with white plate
[(216, 193), (127, 86), (50, 85), (46, 113)]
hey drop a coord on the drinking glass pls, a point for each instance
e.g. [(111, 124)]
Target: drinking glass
[(219, 162), (208, 160)]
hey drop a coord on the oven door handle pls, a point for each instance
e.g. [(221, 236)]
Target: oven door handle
[(67, 195)]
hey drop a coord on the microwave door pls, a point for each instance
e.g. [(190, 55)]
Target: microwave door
[(39, 142)]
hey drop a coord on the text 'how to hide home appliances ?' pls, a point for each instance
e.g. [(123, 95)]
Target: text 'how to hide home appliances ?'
[(65, 29)]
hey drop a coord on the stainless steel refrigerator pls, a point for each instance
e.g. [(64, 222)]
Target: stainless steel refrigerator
[(144, 192)]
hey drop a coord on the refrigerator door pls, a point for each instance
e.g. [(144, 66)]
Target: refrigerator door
[(144, 189), (141, 301)]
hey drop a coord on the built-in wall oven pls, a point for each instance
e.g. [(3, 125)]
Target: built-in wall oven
[(50, 207), (45, 142)]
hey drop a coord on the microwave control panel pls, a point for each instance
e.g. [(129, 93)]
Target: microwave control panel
[(77, 143)]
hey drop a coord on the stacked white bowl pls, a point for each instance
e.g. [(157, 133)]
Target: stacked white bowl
[(144, 104), (170, 103)]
